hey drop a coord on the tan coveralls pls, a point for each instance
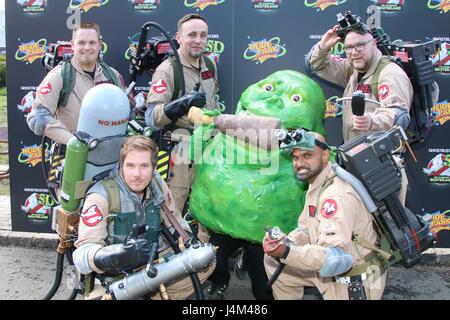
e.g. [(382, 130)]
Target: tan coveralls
[(98, 234), (329, 218), (65, 119), (395, 93), (181, 174)]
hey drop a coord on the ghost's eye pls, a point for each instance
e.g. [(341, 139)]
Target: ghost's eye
[(268, 87), (296, 98)]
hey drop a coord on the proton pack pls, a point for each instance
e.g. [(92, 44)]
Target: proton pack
[(413, 58), (368, 160), (403, 234), (90, 155)]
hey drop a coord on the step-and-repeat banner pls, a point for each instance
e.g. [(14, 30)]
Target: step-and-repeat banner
[(251, 39)]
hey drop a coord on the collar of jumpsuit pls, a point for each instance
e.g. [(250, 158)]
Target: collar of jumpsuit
[(186, 64), (321, 177), (374, 64)]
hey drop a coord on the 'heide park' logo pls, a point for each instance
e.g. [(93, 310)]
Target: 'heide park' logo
[(389, 5), (440, 113), (264, 49), (333, 109), (32, 6), (200, 5), (439, 220), (321, 5), (27, 102), (38, 206), (266, 4), (145, 5), (438, 169), (441, 59), (442, 5), (31, 51), (86, 5), (133, 43), (31, 155)]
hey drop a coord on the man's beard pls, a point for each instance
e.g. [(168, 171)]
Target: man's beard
[(308, 173), (195, 54)]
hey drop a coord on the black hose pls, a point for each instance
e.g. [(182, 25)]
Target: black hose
[(194, 277), (73, 295), (58, 276), (275, 275)]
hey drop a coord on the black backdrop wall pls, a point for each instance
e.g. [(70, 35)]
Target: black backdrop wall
[(289, 27)]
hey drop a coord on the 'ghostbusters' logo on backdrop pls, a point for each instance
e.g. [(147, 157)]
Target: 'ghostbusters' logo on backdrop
[(38, 206), (27, 102), (145, 5), (266, 4), (321, 5), (32, 155), (438, 169), (31, 51), (442, 5), (32, 6), (201, 5), (86, 5), (389, 5), (264, 49), (333, 109), (440, 113), (441, 59)]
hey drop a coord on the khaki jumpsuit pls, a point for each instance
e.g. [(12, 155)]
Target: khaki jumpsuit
[(395, 94), (96, 230), (65, 119), (181, 174), (329, 218)]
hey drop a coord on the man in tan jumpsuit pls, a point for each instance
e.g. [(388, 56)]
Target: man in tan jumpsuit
[(320, 252), (162, 111), (355, 73), (47, 116), (142, 194)]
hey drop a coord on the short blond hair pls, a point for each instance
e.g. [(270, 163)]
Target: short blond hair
[(140, 143), (86, 25)]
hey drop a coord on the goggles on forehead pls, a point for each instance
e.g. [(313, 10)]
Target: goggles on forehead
[(298, 139), (349, 22)]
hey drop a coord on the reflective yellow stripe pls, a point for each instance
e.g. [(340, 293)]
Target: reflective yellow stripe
[(163, 164)]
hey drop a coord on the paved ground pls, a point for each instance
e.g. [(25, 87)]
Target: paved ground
[(28, 266)]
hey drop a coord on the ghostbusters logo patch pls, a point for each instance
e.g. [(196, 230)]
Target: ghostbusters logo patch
[(159, 86), (92, 216), (383, 91), (329, 208), (46, 89)]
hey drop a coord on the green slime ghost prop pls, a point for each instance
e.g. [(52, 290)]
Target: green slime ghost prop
[(240, 188)]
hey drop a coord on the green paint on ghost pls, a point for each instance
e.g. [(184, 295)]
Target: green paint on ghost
[(239, 188)]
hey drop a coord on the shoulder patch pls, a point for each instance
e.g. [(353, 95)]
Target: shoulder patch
[(91, 216), (159, 86), (45, 89), (329, 208), (383, 91), (207, 75)]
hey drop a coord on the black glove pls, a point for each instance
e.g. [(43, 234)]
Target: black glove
[(181, 106), (123, 257)]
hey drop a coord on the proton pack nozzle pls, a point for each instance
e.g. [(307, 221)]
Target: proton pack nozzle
[(350, 22)]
